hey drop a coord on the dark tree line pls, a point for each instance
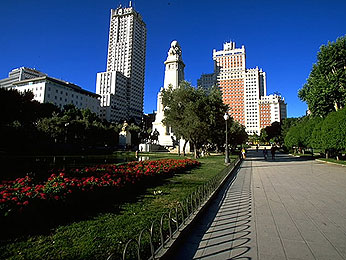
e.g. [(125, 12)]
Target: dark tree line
[(27, 127)]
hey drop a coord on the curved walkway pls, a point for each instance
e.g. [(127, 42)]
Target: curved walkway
[(287, 208)]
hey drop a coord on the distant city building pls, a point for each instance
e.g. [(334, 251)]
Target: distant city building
[(207, 81), (272, 109), (148, 120), (50, 90), (19, 74), (242, 88), (255, 88), (122, 86)]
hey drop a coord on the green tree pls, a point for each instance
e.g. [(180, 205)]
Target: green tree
[(325, 90), (254, 139), (286, 124), (215, 110), (304, 133), (272, 133), (193, 114), (264, 136), (237, 134), (333, 133), (307, 126), (19, 114), (52, 127), (293, 138)]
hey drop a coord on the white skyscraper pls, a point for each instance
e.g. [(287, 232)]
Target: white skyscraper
[(122, 85)]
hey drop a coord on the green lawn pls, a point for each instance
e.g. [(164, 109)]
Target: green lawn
[(105, 232), (334, 161)]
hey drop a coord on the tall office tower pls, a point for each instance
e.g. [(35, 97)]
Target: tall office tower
[(122, 86), (229, 68)]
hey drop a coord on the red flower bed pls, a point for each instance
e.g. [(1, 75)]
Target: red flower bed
[(18, 194)]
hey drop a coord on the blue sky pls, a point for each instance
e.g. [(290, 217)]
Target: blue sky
[(68, 39)]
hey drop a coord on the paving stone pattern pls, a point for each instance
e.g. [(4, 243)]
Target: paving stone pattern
[(287, 208)]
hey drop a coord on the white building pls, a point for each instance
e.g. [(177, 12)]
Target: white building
[(59, 92), (255, 88), (174, 74), (272, 109), (19, 74), (122, 85)]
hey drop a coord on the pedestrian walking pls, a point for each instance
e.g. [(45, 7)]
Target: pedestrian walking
[(272, 151), (265, 153), (243, 153), (257, 148)]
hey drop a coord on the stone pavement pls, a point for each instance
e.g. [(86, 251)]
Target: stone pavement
[(287, 208)]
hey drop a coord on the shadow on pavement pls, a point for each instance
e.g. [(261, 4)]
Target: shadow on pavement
[(223, 227)]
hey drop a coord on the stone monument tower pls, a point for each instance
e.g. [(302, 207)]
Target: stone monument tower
[(174, 74)]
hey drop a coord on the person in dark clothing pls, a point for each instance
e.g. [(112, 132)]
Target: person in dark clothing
[(265, 153), (272, 150)]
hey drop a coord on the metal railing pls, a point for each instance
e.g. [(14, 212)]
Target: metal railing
[(162, 233)]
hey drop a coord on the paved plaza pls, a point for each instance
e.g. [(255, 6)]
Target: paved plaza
[(287, 208)]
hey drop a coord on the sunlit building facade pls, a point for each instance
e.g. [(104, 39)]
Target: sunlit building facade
[(122, 85), (272, 109), (242, 88), (229, 68), (59, 92), (19, 74)]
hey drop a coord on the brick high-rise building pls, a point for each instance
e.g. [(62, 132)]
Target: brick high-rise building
[(229, 67), (122, 85), (272, 109), (242, 88)]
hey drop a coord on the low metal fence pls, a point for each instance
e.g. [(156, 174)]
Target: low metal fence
[(162, 234)]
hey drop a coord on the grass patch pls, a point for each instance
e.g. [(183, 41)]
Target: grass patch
[(107, 232), (342, 162)]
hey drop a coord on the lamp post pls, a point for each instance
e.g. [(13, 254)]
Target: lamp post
[(226, 117)]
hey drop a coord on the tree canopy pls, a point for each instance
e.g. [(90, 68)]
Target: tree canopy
[(27, 126), (328, 134), (196, 114), (325, 90)]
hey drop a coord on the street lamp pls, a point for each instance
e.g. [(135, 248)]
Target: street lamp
[(226, 117)]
